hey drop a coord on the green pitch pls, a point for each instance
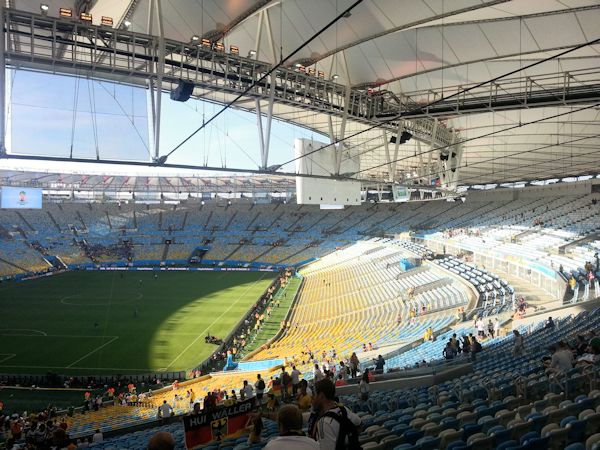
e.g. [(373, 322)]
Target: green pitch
[(120, 322)]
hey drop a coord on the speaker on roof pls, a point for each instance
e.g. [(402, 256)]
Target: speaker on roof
[(182, 92)]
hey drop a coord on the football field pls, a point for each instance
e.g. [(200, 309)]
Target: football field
[(113, 322)]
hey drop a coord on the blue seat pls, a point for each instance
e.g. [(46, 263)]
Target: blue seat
[(457, 445), (507, 445), (428, 443), (575, 446), (412, 435), (537, 444), (406, 446), (528, 436)]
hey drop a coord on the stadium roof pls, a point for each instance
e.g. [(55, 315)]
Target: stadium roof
[(176, 183), (521, 77)]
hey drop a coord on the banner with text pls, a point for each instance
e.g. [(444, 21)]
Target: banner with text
[(216, 425)]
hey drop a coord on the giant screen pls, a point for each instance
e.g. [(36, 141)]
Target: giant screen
[(20, 198)]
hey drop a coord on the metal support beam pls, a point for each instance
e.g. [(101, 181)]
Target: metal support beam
[(258, 37), (264, 134), (160, 67), (2, 83)]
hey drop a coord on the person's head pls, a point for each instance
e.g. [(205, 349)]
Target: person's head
[(245, 383), (161, 441), (289, 419), (594, 346), (316, 367), (164, 402), (258, 376), (324, 395), (516, 333), (293, 367), (196, 408)]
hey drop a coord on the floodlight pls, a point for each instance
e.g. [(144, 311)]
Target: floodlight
[(44, 8)]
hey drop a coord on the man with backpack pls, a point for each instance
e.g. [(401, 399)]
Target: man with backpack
[(259, 388), (333, 426)]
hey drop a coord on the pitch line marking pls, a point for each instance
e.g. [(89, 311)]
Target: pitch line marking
[(107, 300), (120, 369), (214, 321), (93, 351), (3, 332), (6, 356)]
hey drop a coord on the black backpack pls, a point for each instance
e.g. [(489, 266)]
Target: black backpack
[(348, 436), (261, 384)]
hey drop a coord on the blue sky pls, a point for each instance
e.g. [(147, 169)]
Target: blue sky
[(113, 119)]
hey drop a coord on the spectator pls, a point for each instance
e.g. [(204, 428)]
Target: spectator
[(379, 364), (466, 347), (475, 348), (340, 381), (496, 327), (363, 387), (490, 327), (317, 374), (161, 441), (592, 353), (259, 386), (354, 363), (449, 351), (247, 391), (304, 398), (286, 380), (549, 324), (291, 437), (562, 358), (325, 424), (295, 380), (255, 427), (99, 437), (518, 346), (164, 411)]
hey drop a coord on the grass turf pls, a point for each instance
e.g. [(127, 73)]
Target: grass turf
[(107, 323), (272, 325)]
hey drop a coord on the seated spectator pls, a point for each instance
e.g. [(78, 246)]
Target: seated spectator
[(255, 427), (98, 436), (291, 437), (340, 381), (562, 358), (304, 398), (449, 351), (549, 324), (592, 353)]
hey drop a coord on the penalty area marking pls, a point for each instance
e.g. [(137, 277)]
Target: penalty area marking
[(103, 300), (6, 356), (21, 332)]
